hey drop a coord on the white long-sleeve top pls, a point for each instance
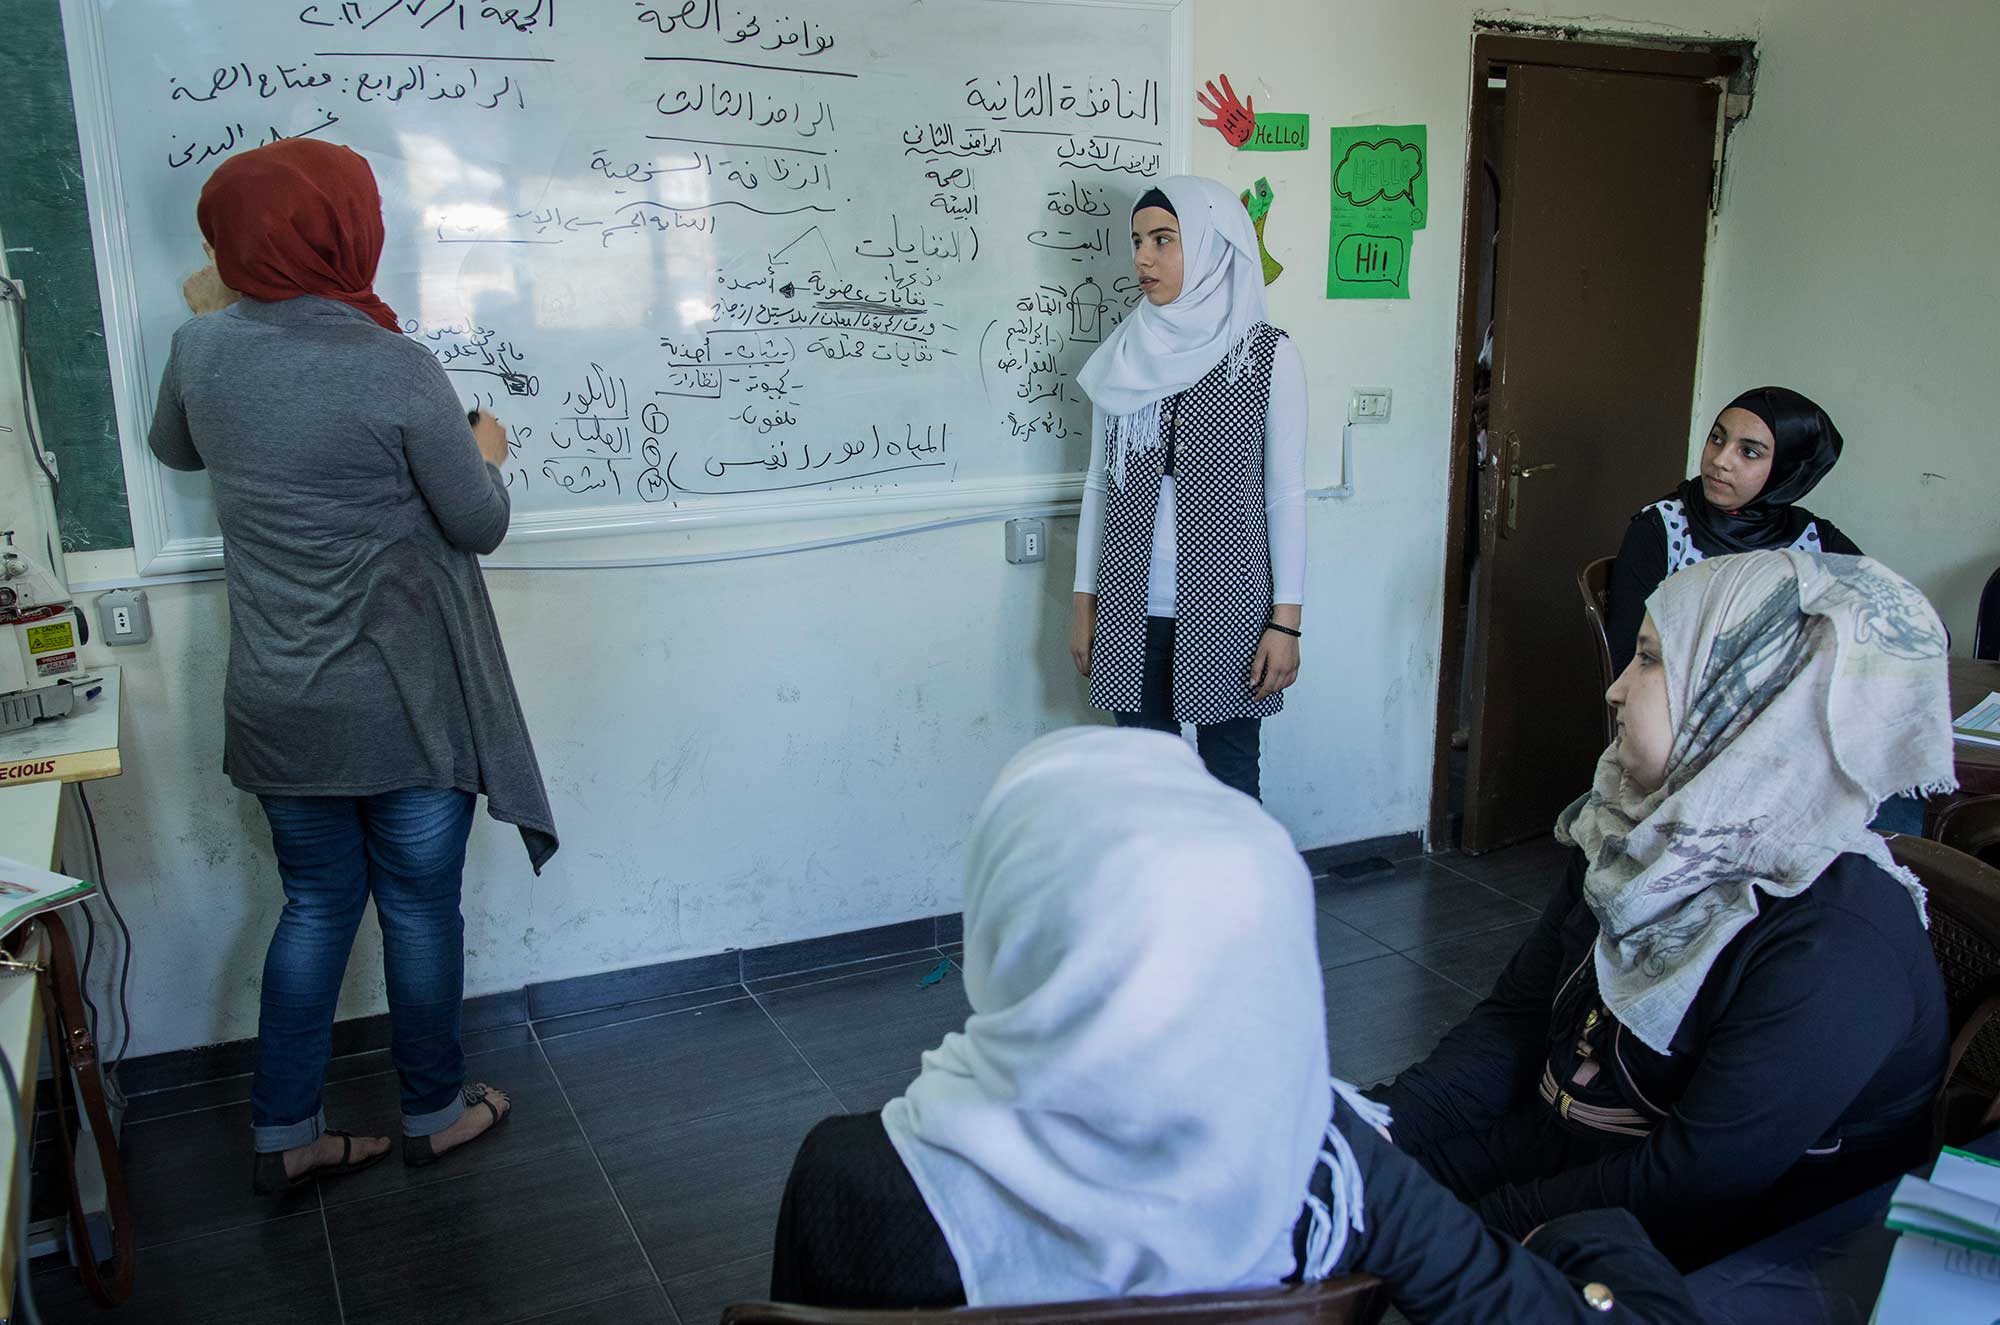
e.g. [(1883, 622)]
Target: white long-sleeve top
[(1285, 425)]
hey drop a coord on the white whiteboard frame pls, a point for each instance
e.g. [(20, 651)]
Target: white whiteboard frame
[(132, 384)]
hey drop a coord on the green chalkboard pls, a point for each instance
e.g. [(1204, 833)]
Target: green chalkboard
[(45, 224)]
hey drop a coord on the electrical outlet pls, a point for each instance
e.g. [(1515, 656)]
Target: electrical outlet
[(123, 618), (1027, 540), (1369, 405)]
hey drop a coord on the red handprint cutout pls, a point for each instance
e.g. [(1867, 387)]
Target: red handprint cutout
[(1234, 120)]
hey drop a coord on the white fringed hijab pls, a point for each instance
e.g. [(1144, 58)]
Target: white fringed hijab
[(1137, 1103), (1804, 690), (1160, 351)]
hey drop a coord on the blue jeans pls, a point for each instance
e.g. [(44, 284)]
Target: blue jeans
[(407, 848)]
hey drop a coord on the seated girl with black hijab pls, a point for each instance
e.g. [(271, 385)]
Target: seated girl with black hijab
[(1765, 451), (1139, 1103), (1729, 1015)]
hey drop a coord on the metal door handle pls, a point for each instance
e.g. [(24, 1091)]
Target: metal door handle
[(1517, 473)]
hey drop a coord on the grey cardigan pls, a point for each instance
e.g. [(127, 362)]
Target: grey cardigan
[(363, 653)]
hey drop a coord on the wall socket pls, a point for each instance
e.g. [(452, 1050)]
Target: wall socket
[(1369, 405), (1027, 540), (123, 618)]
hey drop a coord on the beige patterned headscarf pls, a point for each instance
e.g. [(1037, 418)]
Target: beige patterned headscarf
[(1804, 690)]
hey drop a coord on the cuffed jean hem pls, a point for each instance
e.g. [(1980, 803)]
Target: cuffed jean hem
[(430, 1124), (288, 1136)]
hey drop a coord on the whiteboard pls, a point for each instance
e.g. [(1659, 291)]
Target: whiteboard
[(712, 262)]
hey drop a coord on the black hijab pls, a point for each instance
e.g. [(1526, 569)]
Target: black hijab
[(1807, 446)]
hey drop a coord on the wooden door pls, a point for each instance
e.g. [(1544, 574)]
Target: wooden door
[(1605, 182)]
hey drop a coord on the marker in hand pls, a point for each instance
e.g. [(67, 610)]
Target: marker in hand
[(492, 438)]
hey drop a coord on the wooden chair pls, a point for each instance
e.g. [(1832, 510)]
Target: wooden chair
[(1356, 1299), (1594, 583), (1971, 825), (1965, 934)]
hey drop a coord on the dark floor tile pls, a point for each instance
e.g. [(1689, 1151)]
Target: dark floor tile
[(646, 1306), (1341, 943), (498, 1245), (1473, 961), (869, 1026), (539, 1125), (795, 980), (1396, 846), (706, 1193), (274, 1271), (951, 928), (191, 1175), (865, 1096), (954, 951), (1417, 902), (1528, 872), (700, 1297), (838, 949), (550, 1028), (182, 1099), (556, 998), (623, 1080), (1385, 1014)]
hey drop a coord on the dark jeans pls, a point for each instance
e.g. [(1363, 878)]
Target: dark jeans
[(407, 849), (1228, 749)]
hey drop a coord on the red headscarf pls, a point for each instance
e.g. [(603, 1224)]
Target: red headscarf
[(297, 217)]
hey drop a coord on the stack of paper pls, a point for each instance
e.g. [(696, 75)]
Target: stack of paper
[(1980, 724), (26, 891), (1945, 1269)]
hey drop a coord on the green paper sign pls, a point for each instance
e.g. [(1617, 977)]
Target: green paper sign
[(1380, 197), (1383, 169), (1257, 201), (1279, 133)]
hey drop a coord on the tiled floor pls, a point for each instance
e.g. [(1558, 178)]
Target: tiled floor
[(638, 1180)]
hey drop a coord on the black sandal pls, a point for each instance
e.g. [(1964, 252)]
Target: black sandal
[(417, 1150), (267, 1168)]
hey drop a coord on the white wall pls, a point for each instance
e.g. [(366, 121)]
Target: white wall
[(1855, 261), (762, 751)]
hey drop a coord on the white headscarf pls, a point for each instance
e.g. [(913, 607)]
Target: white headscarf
[(1137, 1102), (1804, 690), (1159, 351)]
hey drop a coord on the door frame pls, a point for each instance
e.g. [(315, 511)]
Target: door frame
[(1491, 50)]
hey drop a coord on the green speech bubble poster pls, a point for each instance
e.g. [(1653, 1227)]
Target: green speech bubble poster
[(1381, 195)]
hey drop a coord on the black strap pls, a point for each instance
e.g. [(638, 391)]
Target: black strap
[(1282, 630)]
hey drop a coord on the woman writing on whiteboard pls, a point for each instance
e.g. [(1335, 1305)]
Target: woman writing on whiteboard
[(368, 697), (1191, 546)]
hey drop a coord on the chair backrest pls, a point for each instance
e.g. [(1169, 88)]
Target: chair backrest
[(1355, 1299), (1964, 906), (1594, 583), (1986, 627), (1971, 824)]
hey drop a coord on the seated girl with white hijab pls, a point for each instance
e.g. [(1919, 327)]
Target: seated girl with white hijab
[(1729, 1016), (1139, 1104)]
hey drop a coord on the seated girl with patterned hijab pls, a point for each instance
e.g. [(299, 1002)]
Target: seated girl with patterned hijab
[(1729, 1015)]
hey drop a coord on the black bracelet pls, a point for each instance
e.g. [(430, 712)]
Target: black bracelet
[(1282, 630)]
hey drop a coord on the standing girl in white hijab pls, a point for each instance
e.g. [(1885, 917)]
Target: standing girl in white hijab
[(1191, 546), (1139, 1104)]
